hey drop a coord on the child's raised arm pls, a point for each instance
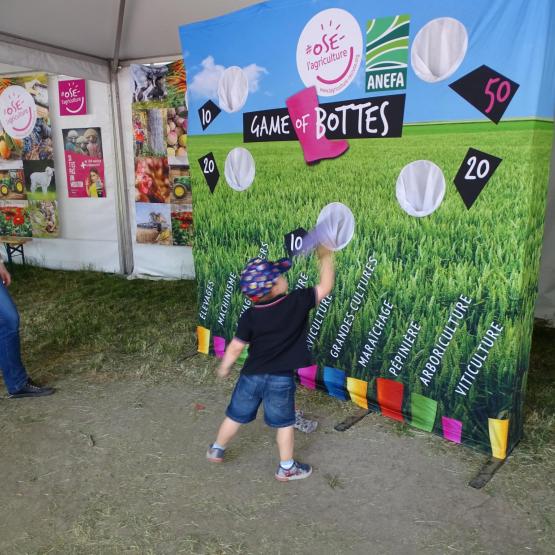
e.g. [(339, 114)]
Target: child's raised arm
[(232, 353), (327, 273)]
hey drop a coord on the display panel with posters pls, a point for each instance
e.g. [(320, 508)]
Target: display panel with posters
[(160, 119), (415, 141), (27, 173)]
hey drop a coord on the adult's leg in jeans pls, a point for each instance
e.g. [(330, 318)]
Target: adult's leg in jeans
[(15, 375)]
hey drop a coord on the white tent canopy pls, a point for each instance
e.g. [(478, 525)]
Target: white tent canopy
[(92, 40), (88, 31)]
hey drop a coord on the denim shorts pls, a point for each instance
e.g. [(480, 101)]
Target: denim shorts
[(276, 392)]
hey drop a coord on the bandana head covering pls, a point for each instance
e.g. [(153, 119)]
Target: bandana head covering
[(259, 276)]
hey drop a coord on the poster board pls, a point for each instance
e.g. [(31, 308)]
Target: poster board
[(163, 201), (433, 127), (28, 198)]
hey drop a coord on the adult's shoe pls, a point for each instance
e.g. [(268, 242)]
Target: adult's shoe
[(31, 389)]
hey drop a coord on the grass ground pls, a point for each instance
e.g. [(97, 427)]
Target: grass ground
[(114, 462)]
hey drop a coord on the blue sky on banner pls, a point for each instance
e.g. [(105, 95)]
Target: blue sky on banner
[(511, 37)]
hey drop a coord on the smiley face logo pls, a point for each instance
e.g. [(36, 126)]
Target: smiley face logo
[(25, 127), (18, 112), (329, 51), (72, 95)]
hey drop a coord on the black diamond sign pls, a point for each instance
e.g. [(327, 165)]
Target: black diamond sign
[(207, 113), (209, 170), (474, 173), (487, 90), (294, 241)]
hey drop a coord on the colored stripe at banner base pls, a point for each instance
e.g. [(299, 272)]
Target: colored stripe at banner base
[(452, 429), (423, 411), (219, 346), (334, 379), (307, 376), (390, 398), (243, 356), (358, 390), (203, 336), (498, 436)]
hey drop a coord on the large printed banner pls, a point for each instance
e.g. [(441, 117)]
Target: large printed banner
[(28, 206), (414, 140), (163, 200)]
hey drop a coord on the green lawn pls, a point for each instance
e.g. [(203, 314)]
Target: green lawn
[(104, 324)]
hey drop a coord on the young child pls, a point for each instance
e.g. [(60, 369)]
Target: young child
[(275, 328)]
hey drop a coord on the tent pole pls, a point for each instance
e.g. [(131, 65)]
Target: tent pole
[(125, 244)]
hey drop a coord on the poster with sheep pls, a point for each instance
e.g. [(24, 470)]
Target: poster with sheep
[(27, 170), (40, 179), (160, 124)]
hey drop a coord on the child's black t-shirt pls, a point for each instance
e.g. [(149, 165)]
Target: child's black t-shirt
[(276, 332)]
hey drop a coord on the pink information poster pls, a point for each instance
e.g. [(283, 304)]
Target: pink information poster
[(84, 162)]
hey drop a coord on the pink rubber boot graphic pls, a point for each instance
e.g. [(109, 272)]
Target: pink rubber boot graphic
[(302, 110)]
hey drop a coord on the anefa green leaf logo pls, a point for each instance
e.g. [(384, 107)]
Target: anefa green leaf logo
[(387, 45)]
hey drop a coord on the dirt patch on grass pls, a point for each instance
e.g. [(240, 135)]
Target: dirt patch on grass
[(119, 467), (114, 462)]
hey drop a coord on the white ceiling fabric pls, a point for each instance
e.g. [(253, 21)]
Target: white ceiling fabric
[(150, 29), (41, 60)]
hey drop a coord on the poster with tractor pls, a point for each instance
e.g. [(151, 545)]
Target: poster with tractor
[(12, 184)]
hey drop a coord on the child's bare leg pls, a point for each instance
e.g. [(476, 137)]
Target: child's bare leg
[(288, 468), (285, 438), (227, 431)]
